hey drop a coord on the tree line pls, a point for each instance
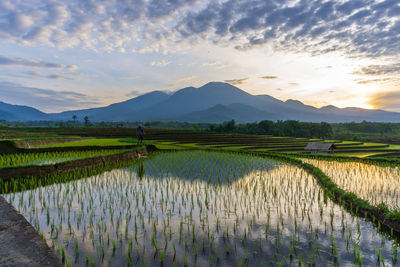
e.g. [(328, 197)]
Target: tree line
[(291, 128)]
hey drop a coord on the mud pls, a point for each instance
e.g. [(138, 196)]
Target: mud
[(20, 244)]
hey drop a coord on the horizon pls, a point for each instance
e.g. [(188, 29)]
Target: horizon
[(57, 56)]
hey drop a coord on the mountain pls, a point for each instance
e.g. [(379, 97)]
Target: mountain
[(239, 112), (192, 99), (212, 102), (118, 111), (10, 112)]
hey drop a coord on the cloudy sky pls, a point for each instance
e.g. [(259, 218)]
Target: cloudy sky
[(59, 55)]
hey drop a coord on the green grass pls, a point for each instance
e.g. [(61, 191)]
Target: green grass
[(169, 146), (233, 147), (394, 147), (49, 158), (358, 154), (372, 144), (195, 145), (344, 142), (97, 142)]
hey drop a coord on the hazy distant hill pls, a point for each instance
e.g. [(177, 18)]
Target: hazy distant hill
[(21, 113), (212, 102)]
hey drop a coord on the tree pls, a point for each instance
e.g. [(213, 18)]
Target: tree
[(266, 126), (326, 130), (228, 126), (87, 121), (74, 117)]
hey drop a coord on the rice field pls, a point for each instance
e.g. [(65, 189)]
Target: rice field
[(194, 208), (370, 182), (95, 142), (48, 158)]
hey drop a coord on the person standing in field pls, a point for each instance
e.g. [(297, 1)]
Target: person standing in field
[(139, 134)]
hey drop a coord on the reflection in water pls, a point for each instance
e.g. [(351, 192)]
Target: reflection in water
[(201, 208), (140, 170), (372, 183)]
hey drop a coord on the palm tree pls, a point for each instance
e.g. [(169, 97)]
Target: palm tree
[(74, 118)]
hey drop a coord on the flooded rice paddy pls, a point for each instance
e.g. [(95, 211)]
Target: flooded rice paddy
[(370, 182), (48, 158), (201, 209)]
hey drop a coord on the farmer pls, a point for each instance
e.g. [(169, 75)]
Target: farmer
[(139, 134)]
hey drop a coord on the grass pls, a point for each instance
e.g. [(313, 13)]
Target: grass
[(359, 154), (343, 142), (235, 147), (96, 142), (169, 146), (49, 158)]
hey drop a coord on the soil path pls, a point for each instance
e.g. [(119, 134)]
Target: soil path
[(20, 244)]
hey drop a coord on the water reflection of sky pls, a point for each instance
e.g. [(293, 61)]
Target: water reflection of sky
[(204, 166), (370, 182), (166, 204)]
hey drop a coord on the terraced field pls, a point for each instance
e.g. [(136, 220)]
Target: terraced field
[(265, 143), (229, 199), (179, 139)]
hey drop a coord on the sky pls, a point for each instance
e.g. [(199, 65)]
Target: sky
[(61, 55)]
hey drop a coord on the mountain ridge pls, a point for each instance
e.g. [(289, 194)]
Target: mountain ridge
[(212, 102)]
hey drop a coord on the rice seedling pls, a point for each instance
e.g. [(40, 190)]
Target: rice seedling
[(266, 213), (47, 158), (375, 184)]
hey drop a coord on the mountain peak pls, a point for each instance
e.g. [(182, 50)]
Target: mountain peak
[(329, 107), (220, 86), (292, 101)]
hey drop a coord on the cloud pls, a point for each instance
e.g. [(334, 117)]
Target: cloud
[(212, 63), (269, 77), (185, 79), (314, 26), (386, 100), (367, 27), (237, 81), (72, 67), (374, 70), (161, 63), (373, 81), (132, 77), (134, 93), (30, 63), (45, 99), (36, 74), (59, 77), (216, 65)]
